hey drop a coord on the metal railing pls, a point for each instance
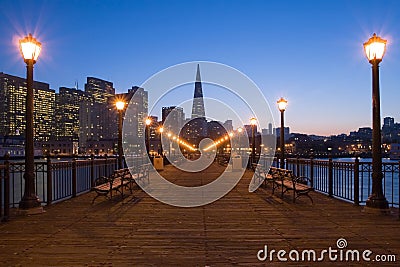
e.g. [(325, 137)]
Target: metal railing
[(4, 194), (347, 180), (54, 181)]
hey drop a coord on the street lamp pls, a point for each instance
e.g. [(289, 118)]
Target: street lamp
[(253, 122), (148, 122), (231, 134), (30, 50), (169, 144), (282, 103), (120, 107), (375, 49), (240, 130), (161, 130)]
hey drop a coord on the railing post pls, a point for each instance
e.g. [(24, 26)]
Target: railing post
[(330, 177), (2, 173), (2, 177), (6, 216), (49, 181), (298, 166), (312, 172), (357, 181), (92, 169), (105, 166), (74, 178)]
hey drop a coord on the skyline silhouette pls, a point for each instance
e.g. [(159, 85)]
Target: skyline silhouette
[(311, 53)]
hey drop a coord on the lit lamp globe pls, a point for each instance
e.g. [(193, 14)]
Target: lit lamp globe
[(161, 129), (253, 121), (148, 121), (282, 104), (120, 105), (375, 49), (30, 48)]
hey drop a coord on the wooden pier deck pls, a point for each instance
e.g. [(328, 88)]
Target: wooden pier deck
[(140, 231)]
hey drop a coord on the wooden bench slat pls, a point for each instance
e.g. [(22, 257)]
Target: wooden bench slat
[(287, 181), (119, 179)]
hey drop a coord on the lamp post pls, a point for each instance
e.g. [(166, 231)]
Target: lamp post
[(253, 122), (30, 50), (240, 130), (231, 134), (169, 144), (148, 122), (375, 49), (161, 130), (282, 103), (120, 107)]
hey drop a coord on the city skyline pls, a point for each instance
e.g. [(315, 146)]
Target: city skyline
[(317, 60)]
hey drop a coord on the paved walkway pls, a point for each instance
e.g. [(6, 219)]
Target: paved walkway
[(140, 231)]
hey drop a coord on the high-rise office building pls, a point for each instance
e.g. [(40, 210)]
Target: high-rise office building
[(270, 130), (228, 125), (388, 122), (13, 106), (216, 130), (286, 133), (390, 131), (94, 120), (173, 118), (137, 99), (100, 90), (97, 115), (134, 120), (68, 101)]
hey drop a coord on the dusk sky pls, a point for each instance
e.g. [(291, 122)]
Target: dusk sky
[(310, 52)]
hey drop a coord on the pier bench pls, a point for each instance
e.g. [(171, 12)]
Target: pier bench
[(120, 179), (264, 175), (222, 160), (287, 181), (104, 186), (139, 175)]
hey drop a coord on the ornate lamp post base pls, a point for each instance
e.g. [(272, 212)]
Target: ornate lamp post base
[(31, 211), (29, 202), (377, 204)]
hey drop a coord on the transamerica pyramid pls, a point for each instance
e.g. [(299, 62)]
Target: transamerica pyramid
[(198, 102)]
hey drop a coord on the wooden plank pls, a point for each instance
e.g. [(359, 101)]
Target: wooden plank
[(140, 231)]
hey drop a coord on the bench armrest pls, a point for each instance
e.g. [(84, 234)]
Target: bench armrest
[(101, 180), (302, 180)]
